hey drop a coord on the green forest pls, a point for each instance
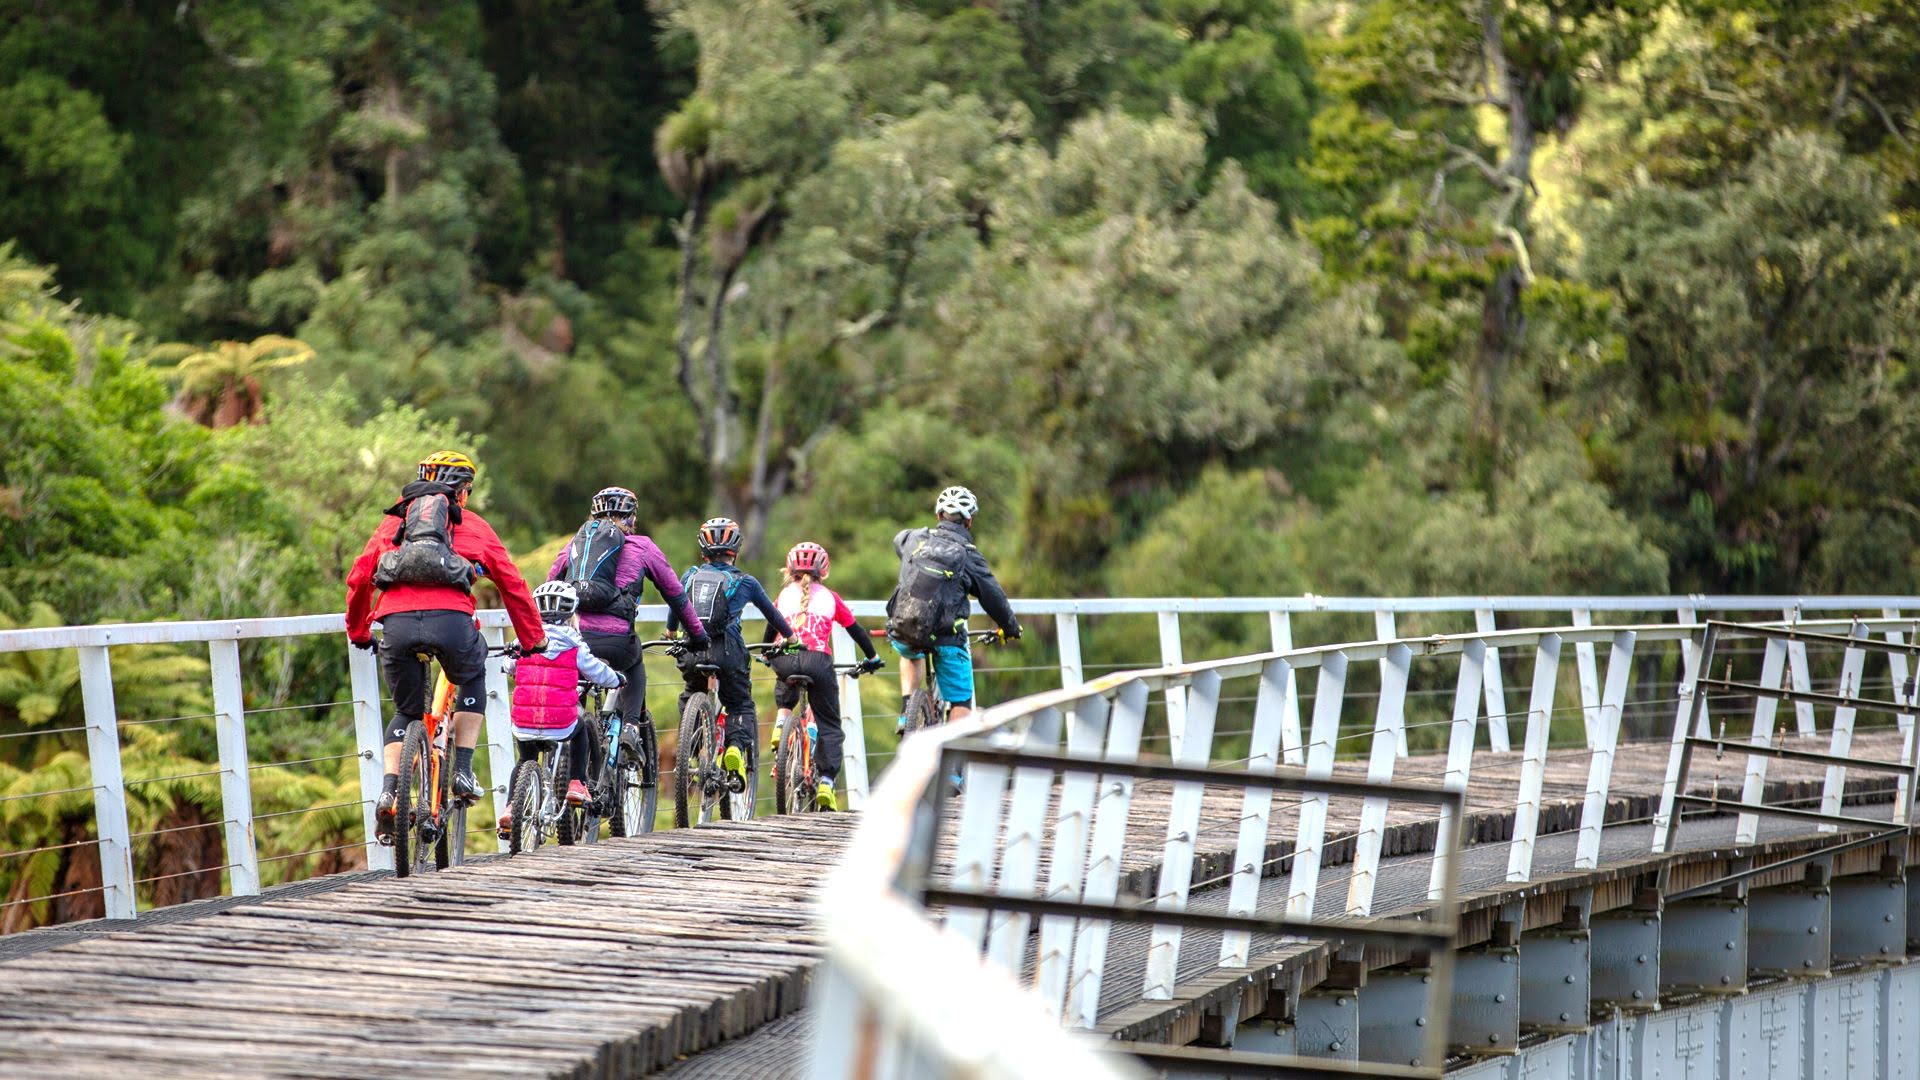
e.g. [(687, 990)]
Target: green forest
[(1202, 297)]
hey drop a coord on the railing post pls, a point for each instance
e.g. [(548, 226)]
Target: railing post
[(236, 778), (501, 755), (1183, 828), (1385, 630), (1389, 722), (1280, 625), (1589, 673), (1067, 870), (1533, 766), (1066, 627), (1176, 696), (1593, 813), (976, 841), (1690, 670), (1311, 835), (1772, 666), (1256, 808), (1693, 700), (1852, 666), (1799, 677), (1493, 682), (109, 785), (1026, 834), (1115, 795), (1897, 662), (853, 755), (363, 677), (1474, 655)]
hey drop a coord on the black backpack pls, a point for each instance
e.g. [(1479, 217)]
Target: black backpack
[(425, 554), (592, 561), (710, 591), (930, 598)]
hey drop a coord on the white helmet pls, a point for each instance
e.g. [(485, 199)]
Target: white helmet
[(956, 500), (556, 600)]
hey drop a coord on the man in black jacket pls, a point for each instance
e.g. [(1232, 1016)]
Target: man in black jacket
[(939, 570)]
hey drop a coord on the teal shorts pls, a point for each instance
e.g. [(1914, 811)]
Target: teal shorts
[(952, 670)]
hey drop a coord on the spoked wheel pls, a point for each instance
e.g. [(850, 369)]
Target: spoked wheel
[(527, 797), (918, 713), (794, 791), (591, 815), (412, 764), (426, 835), (451, 848), (693, 802), (634, 798)]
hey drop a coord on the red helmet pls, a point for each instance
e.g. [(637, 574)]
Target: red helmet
[(807, 558)]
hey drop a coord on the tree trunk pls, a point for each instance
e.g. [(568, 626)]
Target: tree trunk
[(1502, 320)]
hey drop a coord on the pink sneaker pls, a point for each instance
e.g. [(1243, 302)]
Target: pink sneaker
[(577, 793)]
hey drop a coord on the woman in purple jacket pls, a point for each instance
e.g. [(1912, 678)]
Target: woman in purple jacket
[(608, 602)]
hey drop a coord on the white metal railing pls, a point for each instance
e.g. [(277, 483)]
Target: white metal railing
[(1022, 807), (93, 645)]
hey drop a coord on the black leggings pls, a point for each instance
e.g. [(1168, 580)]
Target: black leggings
[(621, 652), (736, 692), (823, 696), (450, 637)]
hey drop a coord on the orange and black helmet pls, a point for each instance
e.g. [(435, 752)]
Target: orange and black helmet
[(449, 467), (720, 534)]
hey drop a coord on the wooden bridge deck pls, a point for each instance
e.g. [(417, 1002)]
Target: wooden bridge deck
[(616, 959)]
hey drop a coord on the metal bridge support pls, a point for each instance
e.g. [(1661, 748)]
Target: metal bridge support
[(1791, 928), (1870, 918), (1913, 913), (1556, 980), (1394, 1017), (1327, 1025), (1626, 959), (1485, 1018), (1703, 946)]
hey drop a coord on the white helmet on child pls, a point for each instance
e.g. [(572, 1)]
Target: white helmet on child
[(957, 500), (556, 599)]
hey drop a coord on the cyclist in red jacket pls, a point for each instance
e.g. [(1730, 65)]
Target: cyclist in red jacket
[(422, 560)]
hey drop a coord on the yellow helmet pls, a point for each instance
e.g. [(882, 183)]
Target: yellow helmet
[(450, 467)]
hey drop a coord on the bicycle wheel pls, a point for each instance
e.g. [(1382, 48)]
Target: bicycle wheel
[(599, 785), (793, 791), (633, 800), (571, 827), (451, 848), (695, 762), (918, 712), (528, 782), (412, 762), (425, 836)]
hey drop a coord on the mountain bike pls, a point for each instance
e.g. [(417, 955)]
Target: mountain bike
[(702, 791), (538, 798), (430, 831), (795, 777), (626, 782), (923, 707)]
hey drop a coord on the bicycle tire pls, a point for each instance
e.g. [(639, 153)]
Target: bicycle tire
[(569, 827), (634, 801), (597, 782), (740, 807), (451, 848), (524, 836), (410, 762), (783, 773), (696, 726), (918, 712)]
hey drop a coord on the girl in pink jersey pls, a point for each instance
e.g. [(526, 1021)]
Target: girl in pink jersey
[(814, 610), (546, 692)]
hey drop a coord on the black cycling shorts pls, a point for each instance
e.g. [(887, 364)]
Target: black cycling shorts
[(447, 636)]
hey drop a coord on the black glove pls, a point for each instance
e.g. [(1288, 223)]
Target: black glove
[(1011, 633), (872, 663), (369, 644), (699, 644)]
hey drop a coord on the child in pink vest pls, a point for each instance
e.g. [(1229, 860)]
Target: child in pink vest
[(546, 691), (813, 610)]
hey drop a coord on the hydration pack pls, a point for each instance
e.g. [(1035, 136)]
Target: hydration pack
[(425, 554), (593, 559), (930, 598), (710, 591)]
